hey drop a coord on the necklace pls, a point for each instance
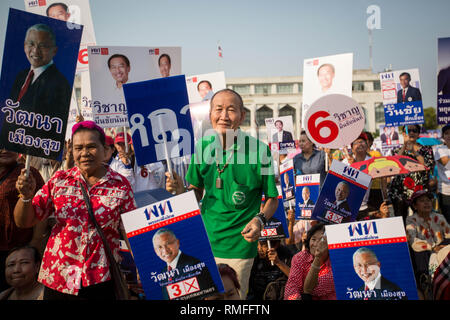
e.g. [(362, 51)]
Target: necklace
[(219, 181)]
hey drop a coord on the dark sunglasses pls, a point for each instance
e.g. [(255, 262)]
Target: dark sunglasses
[(413, 130)]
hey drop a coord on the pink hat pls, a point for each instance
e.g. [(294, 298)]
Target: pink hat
[(88, 125)]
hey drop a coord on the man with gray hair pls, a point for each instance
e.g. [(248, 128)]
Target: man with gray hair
[(41, 88), (368, 268), (167, 248), (229, 172)]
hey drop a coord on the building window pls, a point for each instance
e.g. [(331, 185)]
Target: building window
[(262, 89), (300, 87), (287, 110), (376, 86), (242, 89), (285, 88), (246, 122), (358, 86), (379, 112), (261, 115)]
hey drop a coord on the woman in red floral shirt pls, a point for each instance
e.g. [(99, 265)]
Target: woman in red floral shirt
[(311, 277), (75, 265)]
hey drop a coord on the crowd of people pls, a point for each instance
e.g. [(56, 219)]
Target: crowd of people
[(51, 250)]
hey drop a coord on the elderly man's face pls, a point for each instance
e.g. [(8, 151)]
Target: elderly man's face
[(119, 70), (366, 266), (226, 112), (305, 194), (341, 192), (326, 76), (166, 247), (404, 81), (58, 12), (39, 48), (164, 67)]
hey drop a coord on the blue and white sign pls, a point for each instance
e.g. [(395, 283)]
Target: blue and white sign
[(276, 227), (402, 97), (370, 260), (287, 179), (159, 117), (171, 250), (307, 188), (341, 195)]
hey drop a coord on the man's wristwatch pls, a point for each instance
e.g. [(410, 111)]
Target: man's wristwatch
[(262, 219)]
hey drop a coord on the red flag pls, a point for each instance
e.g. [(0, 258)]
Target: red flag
[(220, 52)]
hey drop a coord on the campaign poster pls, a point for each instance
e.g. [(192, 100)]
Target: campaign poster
[(390, 138), (280, 134), (402, 97), (341, 195), (277, 226), (160, 121), (370, 260), (74, 13), (307, 188), (326, 75), (443, 81), (287, 179), (201, 89), (171, 250), (71, 119), (334, 121), (203, 86), (112, 67), (38, 71)]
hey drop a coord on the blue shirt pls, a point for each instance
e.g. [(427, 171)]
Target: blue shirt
[(315, 164)]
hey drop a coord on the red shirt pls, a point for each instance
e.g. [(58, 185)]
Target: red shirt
[(300, 265), (74, 255)]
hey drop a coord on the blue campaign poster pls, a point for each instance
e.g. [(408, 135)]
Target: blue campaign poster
[(35, 105), (401, 114), (341, 195), (307, 188), (277, 226), (159, 117), (287, 179), (171, 250), (370, 260)]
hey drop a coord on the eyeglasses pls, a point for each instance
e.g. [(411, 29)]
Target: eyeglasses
[(413, 130)]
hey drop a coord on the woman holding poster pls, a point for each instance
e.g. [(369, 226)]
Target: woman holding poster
[(311, 277), (75, 263)]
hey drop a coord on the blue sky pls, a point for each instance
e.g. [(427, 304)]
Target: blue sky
[(272, 38)]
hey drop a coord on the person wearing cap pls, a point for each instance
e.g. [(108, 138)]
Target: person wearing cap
[(123, 162), (74, 264), (442, 156), (427, 231)]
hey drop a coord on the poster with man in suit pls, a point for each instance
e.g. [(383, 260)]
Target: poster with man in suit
[(280, 133), (341, 195), (38, 71), (370, 260), (402, 97), (171, 250)]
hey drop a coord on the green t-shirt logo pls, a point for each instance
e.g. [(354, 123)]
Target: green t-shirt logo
[(238, 197)]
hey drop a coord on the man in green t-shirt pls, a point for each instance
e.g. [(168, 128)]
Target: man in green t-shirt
[(229, 173)]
